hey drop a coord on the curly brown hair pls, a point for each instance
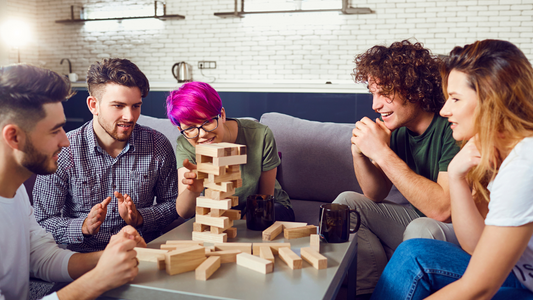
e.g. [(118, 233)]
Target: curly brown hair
[(405, 69)]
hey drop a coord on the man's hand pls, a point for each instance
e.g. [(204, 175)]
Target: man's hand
[(118, 263), (127, 210), (369, 138), (189, 178), (95, 218), (132, 234)]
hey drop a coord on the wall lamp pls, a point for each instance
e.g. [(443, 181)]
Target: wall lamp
[(346, 10)]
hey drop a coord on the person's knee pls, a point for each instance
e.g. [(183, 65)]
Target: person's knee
[(352, 199), (424, 228)]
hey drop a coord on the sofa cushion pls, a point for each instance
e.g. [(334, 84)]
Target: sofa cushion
[(316, 157), (162, 125)]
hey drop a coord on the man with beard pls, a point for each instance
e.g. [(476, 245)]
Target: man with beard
[(31, 121), (107, 178)]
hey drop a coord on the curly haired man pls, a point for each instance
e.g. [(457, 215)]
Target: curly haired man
[(409, 146)]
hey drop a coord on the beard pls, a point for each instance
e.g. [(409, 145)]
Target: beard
[(37, 162), (113, 132)]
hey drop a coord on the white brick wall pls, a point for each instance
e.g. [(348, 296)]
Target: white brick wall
[(301, 47)]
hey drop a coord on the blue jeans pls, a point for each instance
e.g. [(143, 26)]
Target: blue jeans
[(420, 267), (283, 213)]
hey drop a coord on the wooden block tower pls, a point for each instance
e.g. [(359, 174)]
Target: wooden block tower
[(218, 165)]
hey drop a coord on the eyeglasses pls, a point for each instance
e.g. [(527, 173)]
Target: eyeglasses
[(207, 126)]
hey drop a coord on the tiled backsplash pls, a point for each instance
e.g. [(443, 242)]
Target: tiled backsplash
[(273, 47)]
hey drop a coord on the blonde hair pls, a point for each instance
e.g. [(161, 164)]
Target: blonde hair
[(502, 77)]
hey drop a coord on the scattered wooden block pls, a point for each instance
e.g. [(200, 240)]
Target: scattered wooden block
[(271, 232), (290, 258), (226, 256), (207, 268), (273, 246), (184, 242), (255, 263), (161, 263), (298, 232), (314, 258), (218, 195), (205, 202), (314, 242), (266, 253), (202, 210), (243, 247), (232, 214), (149, 254), (209, 237), (292, 224), (231, 232), (184, 260), (198, 227), (222, 222)]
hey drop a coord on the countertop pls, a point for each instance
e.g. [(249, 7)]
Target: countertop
[(346, 87)]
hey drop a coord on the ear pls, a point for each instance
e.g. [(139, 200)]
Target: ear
[(92, 103), (14, 136), (223, 115)]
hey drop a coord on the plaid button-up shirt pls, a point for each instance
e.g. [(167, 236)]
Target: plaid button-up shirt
[(86, 175)]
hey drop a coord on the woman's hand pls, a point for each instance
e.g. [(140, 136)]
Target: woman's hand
[(465, 160), (189, 178)]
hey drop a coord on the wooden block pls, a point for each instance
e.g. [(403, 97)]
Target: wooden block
[(231, 174), (218, 195), (205, 202), (298, 232), (266, 253), (231, 232), (255, 263), (211, 169), (149, 254), (232, 214), (225, 186), (290, 258), (209, 237), (185, 242), (161, 263), (210, 248), (215, 212), (222, 222), (214, 150), (292, 224), (229, 160), (201, 175), (233, 169), (217, 230), (314, 258), (226, 256), (237, 183), (184, 260), (243, 247), (168, 247), (314, 242), (207, 268), (273, 246), (271, 232), (198, 227), (234, 200), (201, 210)]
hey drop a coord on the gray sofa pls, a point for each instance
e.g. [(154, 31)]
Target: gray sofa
[(316, 160)]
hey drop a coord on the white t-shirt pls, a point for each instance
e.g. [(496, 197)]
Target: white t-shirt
[(25, 247), (511, 201)]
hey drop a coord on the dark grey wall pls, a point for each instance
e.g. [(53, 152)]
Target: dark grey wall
[(323, 107)]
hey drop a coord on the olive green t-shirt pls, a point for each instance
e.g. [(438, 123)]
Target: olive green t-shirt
[(262, 155), (429, 153)]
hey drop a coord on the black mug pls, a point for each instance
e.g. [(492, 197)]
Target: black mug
[(260, 213), (334, 222)]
